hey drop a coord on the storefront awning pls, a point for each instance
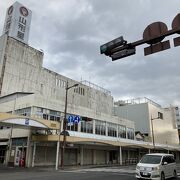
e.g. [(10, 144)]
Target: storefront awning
[(27, 122)]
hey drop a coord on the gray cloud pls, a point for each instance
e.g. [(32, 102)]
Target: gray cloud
[(71, 32)]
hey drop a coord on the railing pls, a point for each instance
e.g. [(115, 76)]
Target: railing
[(131, 161)]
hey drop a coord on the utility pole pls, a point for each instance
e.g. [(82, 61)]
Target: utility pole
[(65, 125)]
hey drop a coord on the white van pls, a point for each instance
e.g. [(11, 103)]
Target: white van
[(156, 166)]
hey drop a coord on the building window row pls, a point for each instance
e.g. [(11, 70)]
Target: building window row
[(100, 127), (24, 111), (47, 114), (60, 83), (79, 90)]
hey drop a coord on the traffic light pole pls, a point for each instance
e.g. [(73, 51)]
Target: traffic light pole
[(144, 41), (153, 35)]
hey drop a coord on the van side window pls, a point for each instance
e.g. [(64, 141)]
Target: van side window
[(172, 160), (169, 159), (165, 159)]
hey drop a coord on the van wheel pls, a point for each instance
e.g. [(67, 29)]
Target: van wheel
[(162, 176), (175, 174)]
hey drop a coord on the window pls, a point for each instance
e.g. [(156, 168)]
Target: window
[(130, 133), (47, 114), (24, 111), (72, 127), (121, 131), (112, 129), (60, 82), (100, 127), (79, 90), (87, 126), (151, 159)]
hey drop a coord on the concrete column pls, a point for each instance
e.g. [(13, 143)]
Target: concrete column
[(117, 130), (128, 154), (81, 155), (107, 157), (57, 155), (34, 154), (149, 151), (94, 157), (120, 155), (94, 126), (28, 150), (8, 154), (106, 129)]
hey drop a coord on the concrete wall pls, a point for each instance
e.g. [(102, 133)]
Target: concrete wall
[(141, 114), (164, 130), (23, 64), (3, 40), (24, 73), (138, 113)]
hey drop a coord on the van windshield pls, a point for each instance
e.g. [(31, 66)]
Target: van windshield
[(151, 159)]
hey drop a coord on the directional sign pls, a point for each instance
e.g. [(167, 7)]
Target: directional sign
[(76, 119), (71, 118), (27, 121)]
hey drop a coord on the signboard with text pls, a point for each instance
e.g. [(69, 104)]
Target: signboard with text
[(17, 22)]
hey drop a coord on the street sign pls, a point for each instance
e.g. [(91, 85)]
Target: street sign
[(27, 121), (106, 48), (76, 119), (123, 53), (70, 119), (73, 119)]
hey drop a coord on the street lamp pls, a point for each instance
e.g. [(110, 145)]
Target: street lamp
[(65, 125), (64, 131)]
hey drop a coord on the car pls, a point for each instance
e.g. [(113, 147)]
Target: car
[(156, 166)]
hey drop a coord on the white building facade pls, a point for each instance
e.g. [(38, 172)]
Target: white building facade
[(32, 103), (145, 114)]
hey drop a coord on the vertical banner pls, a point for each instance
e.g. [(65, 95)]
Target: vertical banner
[(17, 22)]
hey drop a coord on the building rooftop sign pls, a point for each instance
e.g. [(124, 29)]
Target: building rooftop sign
[(17, 22)]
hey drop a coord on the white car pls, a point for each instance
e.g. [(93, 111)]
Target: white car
[(156, 166)]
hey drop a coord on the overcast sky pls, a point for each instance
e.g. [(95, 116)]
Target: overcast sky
[(70, 33)]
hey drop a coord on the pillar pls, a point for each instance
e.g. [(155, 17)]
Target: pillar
[(120, 155), (57, 155), (34, 154), (94, 157), (81, 155)]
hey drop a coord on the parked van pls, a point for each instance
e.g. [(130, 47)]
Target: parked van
[(156, 166)]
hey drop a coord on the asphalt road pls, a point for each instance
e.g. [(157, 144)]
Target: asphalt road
[(65, 176), (108, 173)]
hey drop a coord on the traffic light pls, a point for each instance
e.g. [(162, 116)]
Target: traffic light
[(123, 53), (106, 48), (86, 118)]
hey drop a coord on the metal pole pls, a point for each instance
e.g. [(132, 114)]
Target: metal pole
[(64, 129), (57, 153), (152, 132)]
